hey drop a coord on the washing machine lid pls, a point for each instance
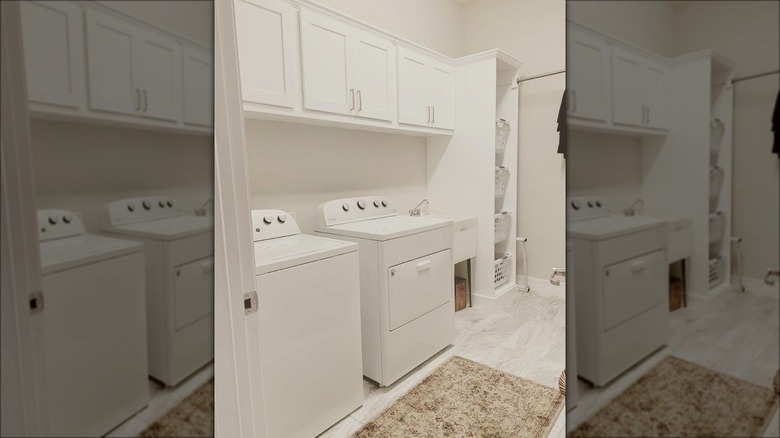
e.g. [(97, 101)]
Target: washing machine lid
[(608, 227), (71, 252), (287, 252), (386, 228), (170, 228)]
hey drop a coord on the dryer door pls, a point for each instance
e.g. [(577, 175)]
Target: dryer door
[(193, 289), (418, 286)]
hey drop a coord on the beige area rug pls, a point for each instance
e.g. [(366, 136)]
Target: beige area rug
[(193, 417), (677, 398), (467, 399)]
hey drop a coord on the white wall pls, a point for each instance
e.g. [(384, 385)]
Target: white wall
[(296, 167), (747, 32), (534, 32), (81, 167), (431, 23)]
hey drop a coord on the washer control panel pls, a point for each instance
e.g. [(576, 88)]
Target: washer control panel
[(342, 211), (55, 224), (585, 207), (270, 224), (126, 211)]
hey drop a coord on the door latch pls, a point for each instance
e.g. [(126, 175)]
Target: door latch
[(36, 302), (250, 303)]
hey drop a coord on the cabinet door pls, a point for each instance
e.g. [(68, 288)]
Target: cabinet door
[(588, 78), (327, 64), (198, 87), (157, 61), (627, 88), (441, 95), (110, 64), (374, 71), (267, 52), (53, 41), (412, 98), (657, 95)]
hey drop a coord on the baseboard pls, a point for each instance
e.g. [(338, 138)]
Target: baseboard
[(493, 302), (543, 287), (756, 286)]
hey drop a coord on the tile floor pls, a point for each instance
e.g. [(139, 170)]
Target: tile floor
[(161, 400), (525, 337), (734, 333)]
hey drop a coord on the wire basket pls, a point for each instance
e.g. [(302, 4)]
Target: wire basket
[(717, 226), (502, 178), (717, 129), (717, 270), (502, 133), (501, 226), (501, 270)]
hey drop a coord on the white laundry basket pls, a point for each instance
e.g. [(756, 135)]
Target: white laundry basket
[(502, 133), (502, 178), (716, 180), (501, 270), (717, 129), (501, 222), (717, 270), (717, 226)]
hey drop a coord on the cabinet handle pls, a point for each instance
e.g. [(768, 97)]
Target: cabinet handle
[(137, 99), (352, 99), (146, 102), (638, 266), (433, 116), (429, 114), (360, 100), (574, 100), (422, 266), (648, 115)]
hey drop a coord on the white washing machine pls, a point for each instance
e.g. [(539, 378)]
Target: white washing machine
[(308, 320), (406, 282), (622, 281), (94, 326), (179, 281)]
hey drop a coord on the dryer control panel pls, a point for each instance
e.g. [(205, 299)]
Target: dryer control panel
[(270, 224), (586, 207), (131, 210), (55, 224), (343, 211)]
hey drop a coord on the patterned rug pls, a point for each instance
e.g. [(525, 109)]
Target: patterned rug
[(467, 399), (193, 417), (677, 398)]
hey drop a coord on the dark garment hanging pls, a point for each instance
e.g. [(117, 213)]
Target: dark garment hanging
[(562, 127), (776, 126)]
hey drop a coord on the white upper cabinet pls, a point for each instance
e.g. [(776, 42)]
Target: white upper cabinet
[(158, 75), (426, 91), (640, 92), (588, 78), (198, 87), (110, 60), (346, 70), (268, 52), (52, 36)]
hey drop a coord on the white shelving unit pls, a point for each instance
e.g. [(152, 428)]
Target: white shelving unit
[(462, 169)]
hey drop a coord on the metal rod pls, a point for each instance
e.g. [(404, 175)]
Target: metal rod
[(543, 75), (759, 75)]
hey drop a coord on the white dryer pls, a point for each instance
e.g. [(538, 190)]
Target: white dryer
[(94, 326), (308, 319), (406, 282), (622, 280), (179, 281)]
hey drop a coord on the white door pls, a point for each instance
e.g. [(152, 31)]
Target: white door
[(628, 106), (633, 286), (418, 286), (657, 95), (53, 35), (441, 95), (327, 64), (157, 62), (374, 71), (110, 63), (268, 51), (198, 87), (588, 81), (412, 99)]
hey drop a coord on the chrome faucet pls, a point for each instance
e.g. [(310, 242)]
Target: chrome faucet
[(631, 211), (556, 272), (416, 211), (202, 210)]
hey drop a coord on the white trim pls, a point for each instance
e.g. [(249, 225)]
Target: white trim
[(492, 54), (496, 301)]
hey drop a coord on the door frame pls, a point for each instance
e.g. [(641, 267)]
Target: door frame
[(22, 349)]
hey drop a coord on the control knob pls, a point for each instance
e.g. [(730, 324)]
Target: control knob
[(53, 220), (376, 204), (282, 218), (130, 207), (147, 205), (268, 219), (66, 218), (361, 204), (575, 205), (345, 207), (384, 203)]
